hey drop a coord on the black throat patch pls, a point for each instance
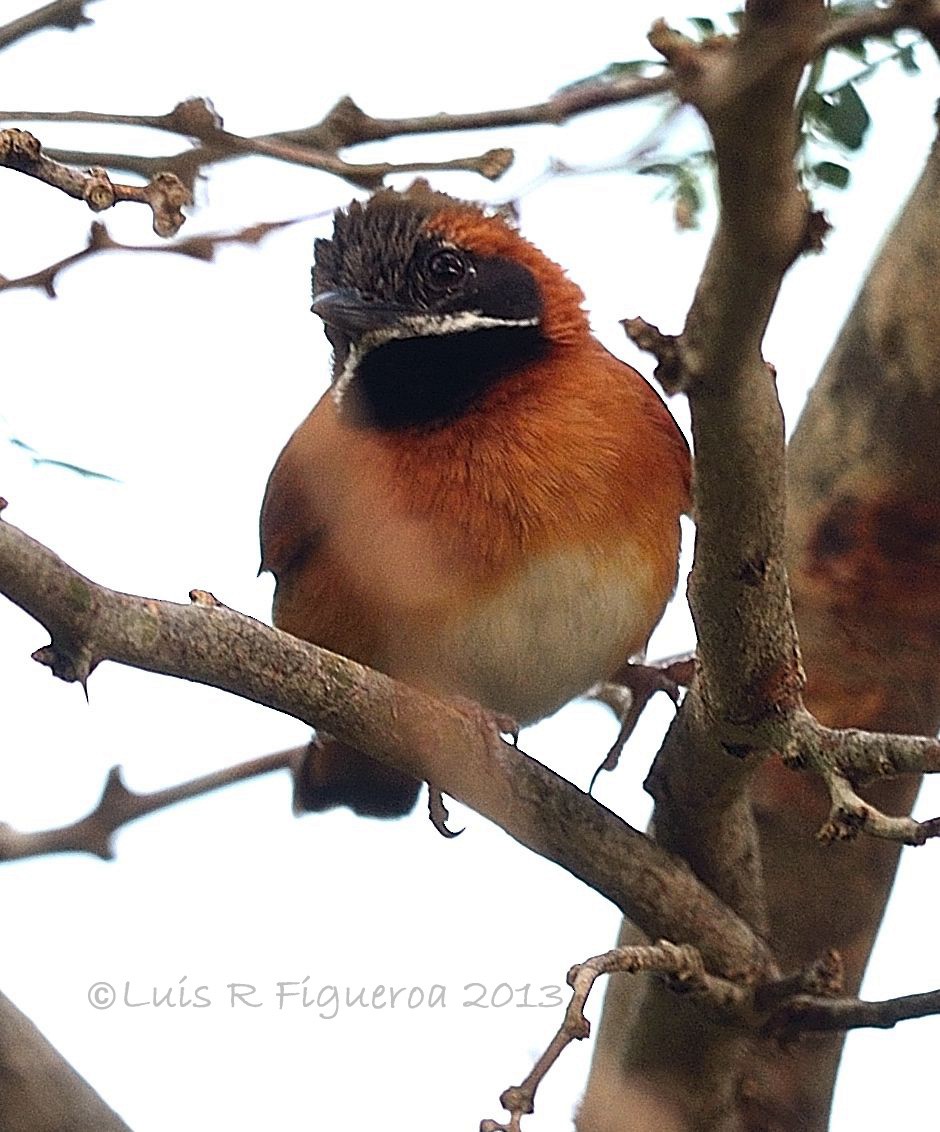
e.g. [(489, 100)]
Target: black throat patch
[(430, 380)]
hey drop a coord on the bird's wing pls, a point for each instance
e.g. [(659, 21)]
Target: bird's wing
[(662, 420), (291, 516)]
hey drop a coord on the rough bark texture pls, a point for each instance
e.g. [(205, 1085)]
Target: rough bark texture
[(864, 534), (39, 1090), (865, 574)]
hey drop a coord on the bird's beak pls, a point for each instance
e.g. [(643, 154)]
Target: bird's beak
[(350, 312)]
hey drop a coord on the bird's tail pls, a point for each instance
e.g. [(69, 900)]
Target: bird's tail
[(331, 773)]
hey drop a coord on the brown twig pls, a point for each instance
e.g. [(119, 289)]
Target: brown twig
[(850, 815), (316, 147), (100, 241), (918, 15), (346, 125), (118, 806), (165, 194), (629, 692), (783, 1008), (848, 757), (806, 1013), (68, 14), (680, 966)]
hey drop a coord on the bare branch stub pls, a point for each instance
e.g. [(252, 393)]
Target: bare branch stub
[(665, 348), (165, 194)]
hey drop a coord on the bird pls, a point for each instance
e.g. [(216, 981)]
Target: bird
[(485, 503)]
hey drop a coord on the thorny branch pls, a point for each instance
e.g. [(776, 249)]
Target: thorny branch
[(164, 193), (119, 806), (428, 739)]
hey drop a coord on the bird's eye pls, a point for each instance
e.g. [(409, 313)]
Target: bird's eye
[(446, 268)]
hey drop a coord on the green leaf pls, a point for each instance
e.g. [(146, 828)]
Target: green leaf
[(839, 115), (661, 169), (829, 173), (705, 27)]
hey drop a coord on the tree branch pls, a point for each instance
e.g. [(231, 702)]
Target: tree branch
[(783, 1008), (428, 739), (682, 969), (346, 125), (68, 14), (739, 457), (165, 194), (100, 241), (119, 806), (41, 1091), (804, 1014), (872, 21), (749, 678), (842, 758)]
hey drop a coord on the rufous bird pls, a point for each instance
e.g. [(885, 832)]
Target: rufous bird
[(485, 503)]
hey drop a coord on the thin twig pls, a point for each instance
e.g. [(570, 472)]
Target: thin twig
[(680, 966), (119, 806), (100, 241), (68, 14), (807, 1013), (919, 15)]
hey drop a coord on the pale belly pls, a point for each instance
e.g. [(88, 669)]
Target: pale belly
[(569, 621)]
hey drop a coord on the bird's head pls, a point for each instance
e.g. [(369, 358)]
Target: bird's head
[(428, 302)]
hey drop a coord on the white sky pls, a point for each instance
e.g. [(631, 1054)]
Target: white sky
[(183, 380)]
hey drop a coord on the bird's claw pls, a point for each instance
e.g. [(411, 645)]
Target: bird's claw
[(642, 681)]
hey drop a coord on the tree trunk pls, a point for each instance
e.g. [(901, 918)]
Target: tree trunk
[(864, 537)]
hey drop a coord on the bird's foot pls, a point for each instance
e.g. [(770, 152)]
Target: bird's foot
[(494, 725), (629, 691), (438, 813)]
